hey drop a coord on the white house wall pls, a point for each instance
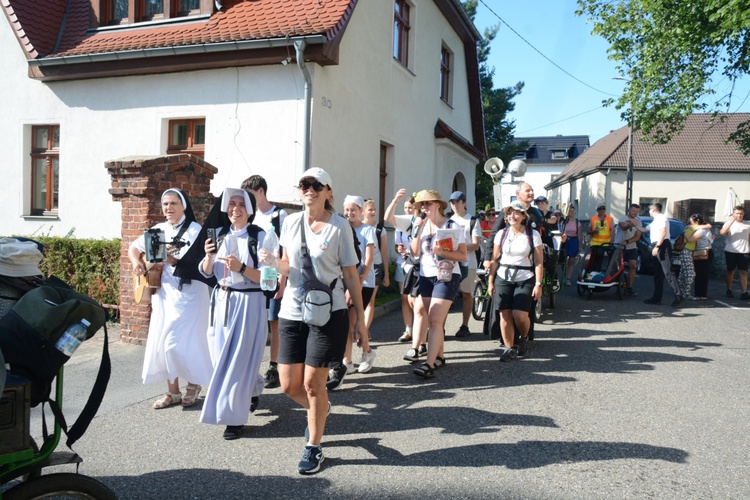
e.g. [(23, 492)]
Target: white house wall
[(254, 122), (370, 98), (674, 186)]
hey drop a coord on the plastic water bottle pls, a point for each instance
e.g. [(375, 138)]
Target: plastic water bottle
[(72, 338), (269, 266)]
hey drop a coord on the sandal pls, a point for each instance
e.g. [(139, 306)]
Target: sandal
[(439, 362), (424, 370), (192, 391), (169, 399)]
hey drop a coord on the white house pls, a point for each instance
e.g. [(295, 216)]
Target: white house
[(545, 157), (383, 94), (698, 171)]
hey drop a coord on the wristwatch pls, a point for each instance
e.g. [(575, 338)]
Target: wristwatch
[(538, 283), (242, 269)]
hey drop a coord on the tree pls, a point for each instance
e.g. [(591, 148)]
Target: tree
[(669, 50), (497, 104)]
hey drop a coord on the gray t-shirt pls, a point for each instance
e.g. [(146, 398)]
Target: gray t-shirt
[(331, 248)]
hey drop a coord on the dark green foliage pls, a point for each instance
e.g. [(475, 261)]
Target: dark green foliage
[(497, 104), (91, 267)]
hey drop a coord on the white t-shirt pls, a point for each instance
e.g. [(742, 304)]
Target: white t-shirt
[(378, 255), (516, 252), (331, 248), (705, 240), (428, 261), (469, 234), (366, 236), (660, 222), (264, 220), (737, 241)]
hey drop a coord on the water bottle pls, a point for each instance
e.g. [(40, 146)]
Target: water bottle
[(72, 338), (269, 265)]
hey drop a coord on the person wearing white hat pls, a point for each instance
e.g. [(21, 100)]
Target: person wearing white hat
[(367, 240), (516, 272), (238, 328), (177, 346), (306, 351)]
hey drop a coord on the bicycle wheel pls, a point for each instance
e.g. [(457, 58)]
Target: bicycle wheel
[(479, 300), (61, 485)]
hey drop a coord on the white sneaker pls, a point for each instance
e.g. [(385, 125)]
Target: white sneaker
[(365, 362), (349, 367)]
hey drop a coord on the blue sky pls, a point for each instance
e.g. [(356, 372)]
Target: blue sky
[(553, 102)]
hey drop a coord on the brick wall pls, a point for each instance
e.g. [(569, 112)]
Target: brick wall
[(137, 183)]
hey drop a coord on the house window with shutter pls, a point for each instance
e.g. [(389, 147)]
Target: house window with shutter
[(187, 136), (402, 32), (45, 169)]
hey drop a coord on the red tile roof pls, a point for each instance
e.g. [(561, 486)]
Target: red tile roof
[(701, 146), (38, 27)]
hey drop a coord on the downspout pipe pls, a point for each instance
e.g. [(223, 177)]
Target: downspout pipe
[(299, 48)]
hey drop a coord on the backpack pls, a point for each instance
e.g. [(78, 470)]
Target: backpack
[(252, 247), (28, 333)]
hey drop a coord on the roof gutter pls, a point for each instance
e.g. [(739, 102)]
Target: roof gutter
[(207, 48)]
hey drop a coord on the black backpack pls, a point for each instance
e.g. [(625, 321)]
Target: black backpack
[(28, 333)]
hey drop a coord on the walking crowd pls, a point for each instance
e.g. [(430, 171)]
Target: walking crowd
[(216, 306)]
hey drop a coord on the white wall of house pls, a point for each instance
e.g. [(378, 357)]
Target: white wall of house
[(370, 99), (254, 123), (536, 175), (588, 192)]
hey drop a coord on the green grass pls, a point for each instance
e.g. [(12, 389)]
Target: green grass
[(386, 297)]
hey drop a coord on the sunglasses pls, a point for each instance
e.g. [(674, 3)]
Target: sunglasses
[(491, 214), (317, 186)]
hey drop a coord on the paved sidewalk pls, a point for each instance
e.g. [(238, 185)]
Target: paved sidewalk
[(616, 400)]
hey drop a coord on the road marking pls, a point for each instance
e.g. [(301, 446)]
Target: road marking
[(729, 306)]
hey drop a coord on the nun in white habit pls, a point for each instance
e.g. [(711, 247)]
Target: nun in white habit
[(176, 346), (237, 319)]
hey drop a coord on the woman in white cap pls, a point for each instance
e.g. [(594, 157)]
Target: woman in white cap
[(177, 346), (438, 282), (306, 351), (517, 265), (367, 242), (237, 328)]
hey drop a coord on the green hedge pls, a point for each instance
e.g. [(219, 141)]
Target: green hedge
[(90, 266)]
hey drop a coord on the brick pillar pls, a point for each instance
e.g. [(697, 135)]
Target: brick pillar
[(137, 183)]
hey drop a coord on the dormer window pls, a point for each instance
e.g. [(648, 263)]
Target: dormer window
[(559, 154)]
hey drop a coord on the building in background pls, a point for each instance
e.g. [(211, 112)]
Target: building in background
[(698, 171), (381, 94), (546, 158)]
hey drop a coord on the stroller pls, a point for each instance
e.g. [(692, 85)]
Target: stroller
[(605, 269)]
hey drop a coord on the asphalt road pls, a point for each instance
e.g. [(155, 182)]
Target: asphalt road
[(616, 400)]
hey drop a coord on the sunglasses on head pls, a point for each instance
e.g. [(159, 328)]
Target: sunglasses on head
[(316, 185), (491, 213)]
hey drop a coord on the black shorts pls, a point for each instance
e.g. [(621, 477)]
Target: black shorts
[(739, 261), (434, 288), (514, 295), (314, 346), (366, 295)]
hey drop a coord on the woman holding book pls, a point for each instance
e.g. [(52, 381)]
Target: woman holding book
[(440, 243)]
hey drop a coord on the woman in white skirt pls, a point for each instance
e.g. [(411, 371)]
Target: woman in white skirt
[(177, 346)]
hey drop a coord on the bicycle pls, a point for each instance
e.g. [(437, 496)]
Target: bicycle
[(21, 470), (480, 296)]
